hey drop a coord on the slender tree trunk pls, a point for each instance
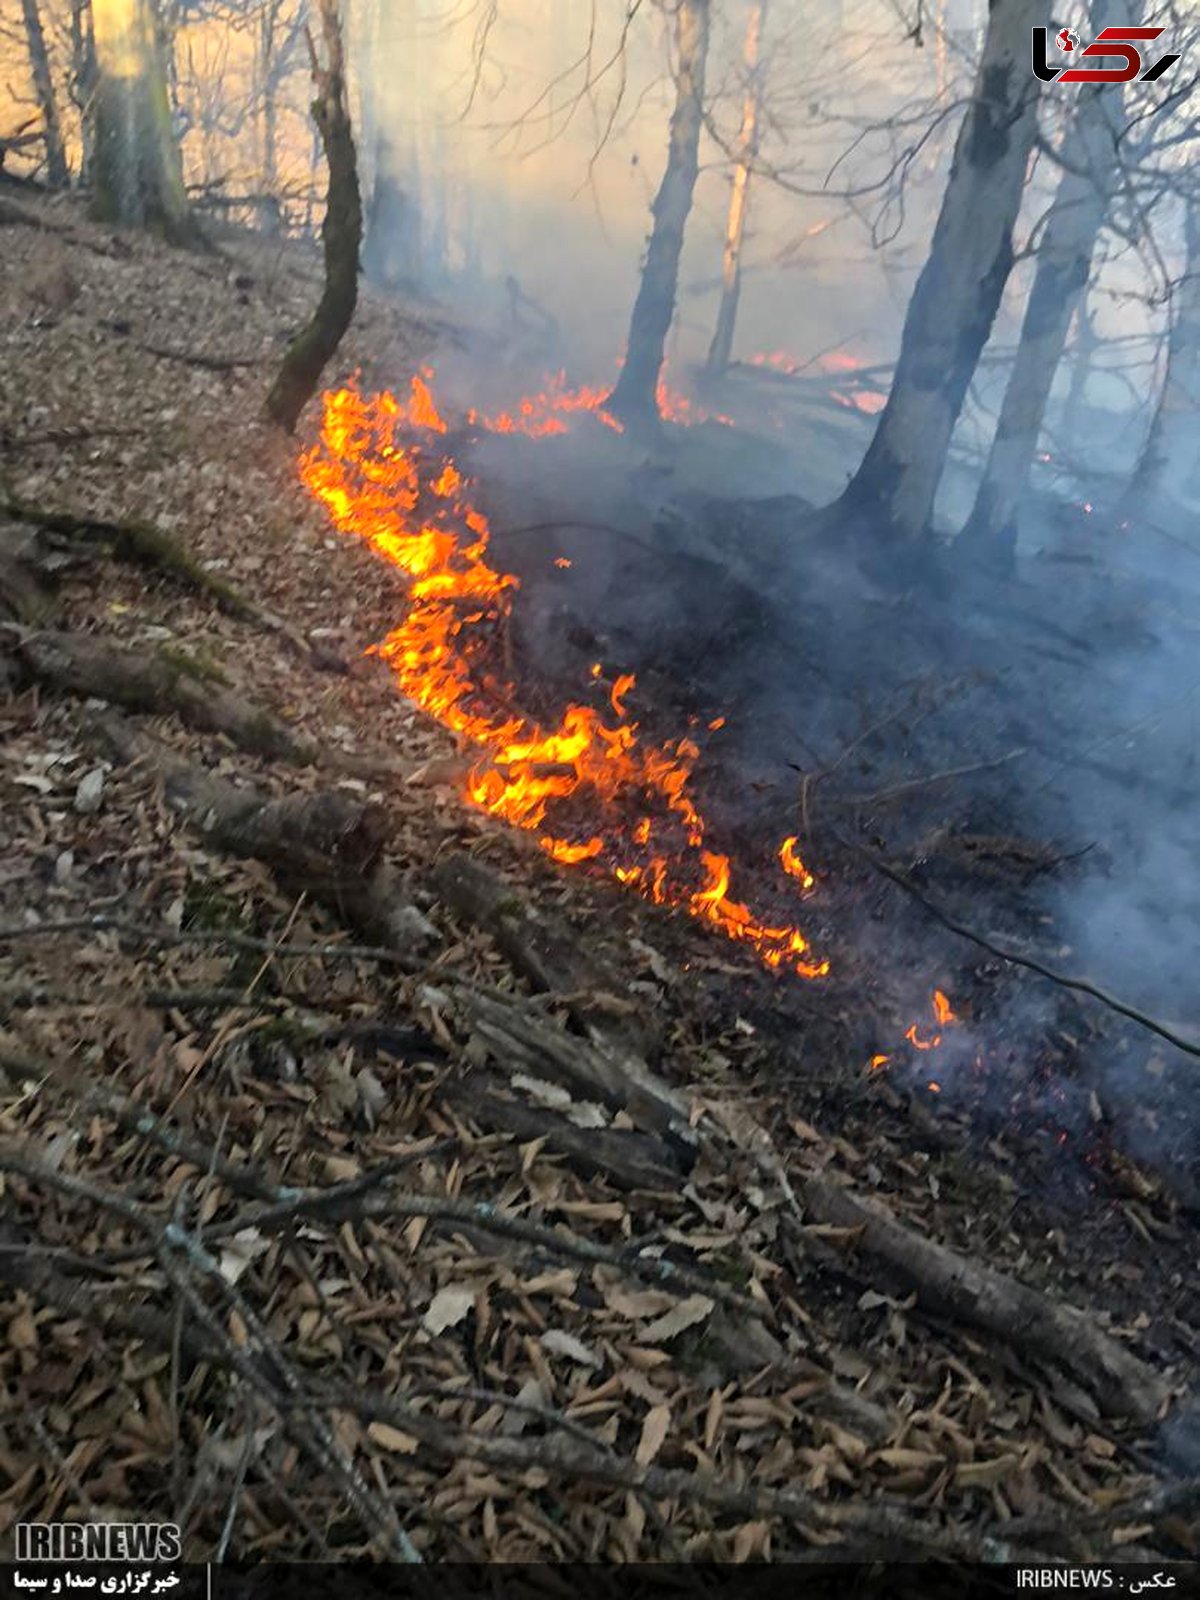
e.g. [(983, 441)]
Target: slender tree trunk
[(267, 70), (958, 292), (392, 247), (341, 231), (721, 349), (137, 173), (634, 400), (43, 87), (1064, 263), (1168, 456), (1084, 346), (83, 81)]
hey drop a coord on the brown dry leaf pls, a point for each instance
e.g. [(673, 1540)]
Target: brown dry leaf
[(985, 1474), (752, 1542), (447, 1308), (685, 1315), (22, 1330), (654, 1433), (560, 1343), (392, 1439)]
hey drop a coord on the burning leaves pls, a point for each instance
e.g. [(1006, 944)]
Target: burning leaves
[(591, 788), (945, 1017), (551, 411)]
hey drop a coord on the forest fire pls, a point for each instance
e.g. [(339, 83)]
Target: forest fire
[(859, 396), (548, 412), (590, 787)]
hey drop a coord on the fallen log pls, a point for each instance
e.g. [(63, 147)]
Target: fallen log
[(624, 1157), (544, 950), (323, 844), (159, 680), (952, 1285)]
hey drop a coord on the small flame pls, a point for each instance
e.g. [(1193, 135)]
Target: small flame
[(945, 1016), (792, 864)]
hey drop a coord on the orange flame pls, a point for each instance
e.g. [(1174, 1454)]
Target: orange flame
[(378, 471), (792, 864), (946, 1018)]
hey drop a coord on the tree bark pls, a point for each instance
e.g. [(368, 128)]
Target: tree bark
[(1064, 263), (341, 232), (1168, 455), (958, 292), (721, 349), (43, 86), (137, 171), (634, 399)]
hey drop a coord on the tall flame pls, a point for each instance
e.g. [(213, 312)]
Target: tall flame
[(590, 787)]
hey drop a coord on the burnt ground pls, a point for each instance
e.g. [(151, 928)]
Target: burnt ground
[(134, 381)]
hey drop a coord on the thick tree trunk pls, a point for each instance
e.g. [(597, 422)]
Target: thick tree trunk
[(958, 292), (137, 174), (43, 86), (341, 231), (721, 349), (1064, 262), (634, 400), (1168, 455)]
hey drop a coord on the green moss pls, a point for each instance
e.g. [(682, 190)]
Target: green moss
[(195, 665)]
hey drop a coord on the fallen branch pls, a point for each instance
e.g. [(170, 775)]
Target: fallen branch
[(141, 544), (170, 938), (962, 1289)]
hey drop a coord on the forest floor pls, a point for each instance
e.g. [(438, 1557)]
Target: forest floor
[(524, 1222)]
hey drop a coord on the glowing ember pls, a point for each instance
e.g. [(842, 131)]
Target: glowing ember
[(590, 788)]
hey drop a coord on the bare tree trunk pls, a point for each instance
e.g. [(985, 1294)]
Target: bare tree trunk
[(341, 231), (721, 349), (634, 400), (392, 246), (83, 81), (1064, 262), (958, 292), (137, 173), (43, 86), (1084, 346), (1168, 455)]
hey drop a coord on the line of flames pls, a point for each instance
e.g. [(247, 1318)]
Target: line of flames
[(382, 471)]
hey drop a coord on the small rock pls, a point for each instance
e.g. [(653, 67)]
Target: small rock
[(87, 795), (64, 866)]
